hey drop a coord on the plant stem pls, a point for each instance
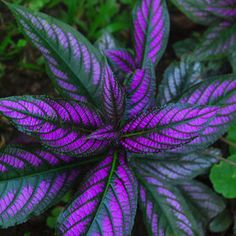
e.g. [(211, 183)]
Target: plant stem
[(227, 161), (228, 142)]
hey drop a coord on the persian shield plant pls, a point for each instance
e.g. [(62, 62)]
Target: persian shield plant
[(142, 148)]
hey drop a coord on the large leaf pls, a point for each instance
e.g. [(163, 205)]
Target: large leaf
[(165, 210), (166, 128), (175, 169), (218, 91), (74, 65), (140, 90), (60, 124), (31, 180), (217, 42), (113, 97), (178, 78), (151, 30), (197, 11), (105, 203)]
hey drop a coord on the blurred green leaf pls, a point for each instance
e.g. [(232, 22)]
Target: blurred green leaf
[(223, 177), (52, 219), (232, 137)]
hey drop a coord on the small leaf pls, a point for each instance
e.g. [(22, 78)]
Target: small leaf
[(178, 78), (217, 42), (175, 169), (113, 97), (122, 59), (221, 222), (151, 30), (105, 42), (106, 201), (223, 177), (140, 90), (59, 124), (166, 128), (73, 64), (32, 180)]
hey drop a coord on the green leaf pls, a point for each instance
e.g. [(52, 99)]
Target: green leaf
[(73, 64), (232, 137), (223, 177)]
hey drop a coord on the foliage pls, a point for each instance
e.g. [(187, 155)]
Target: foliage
[(140, 147), (219, 39)]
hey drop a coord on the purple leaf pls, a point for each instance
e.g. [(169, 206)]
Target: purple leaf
[(205, 203), (218, 91), (217, 42), (106, 42), (197, 10), (113, 97), (177, 168), (60, 124), (122, 59), (140, 90), (225, 9), (104, 133), (178, 78), (105, 203), (31, 180), (151, 30), (74, 65), (165, 210), (166, 128)]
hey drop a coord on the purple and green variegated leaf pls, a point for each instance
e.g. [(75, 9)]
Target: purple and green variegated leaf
[(113, 97), (31, 180), (122, 59), (218, 91), (166, 128), (140, 90), (74, 65), (203, 202), (151, 30), (59, 124), (178, 78), (197, 11), (105, 133), (175, 169), (217, 42), (105, 42), (106, 201), (225, 9), (164, 209)]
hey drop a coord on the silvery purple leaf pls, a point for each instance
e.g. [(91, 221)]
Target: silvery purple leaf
[(176, 168), (217, 42), (164, 209), (60, 124), (166, 128), (140, 90), (32, 180), (178, 78), (74, 65), (105, 203), (197, 11), (204, 203), (106, 42), (113, 97), (151, 30), (122, 59), (225, 9), (218, 91)]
